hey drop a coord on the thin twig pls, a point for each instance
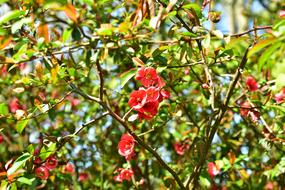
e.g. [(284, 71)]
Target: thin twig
[(90, 123), (101, 79)]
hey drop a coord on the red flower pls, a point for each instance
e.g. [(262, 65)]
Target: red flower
[(14, 105), (251, 83), (245, 108), (147, 76), (51, 162), (125, 174), (165, 94), (152, 94), (149, 110), (69, 168), (160, 82), (1, 139), (126, 145), (280, 97), (83, 176), (180, 148), (138, 99), (246, 111), (42, 172), (131, 156), (213, 169)]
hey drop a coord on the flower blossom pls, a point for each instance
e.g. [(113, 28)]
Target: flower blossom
[(149, 77), (42, 172), (213, 169), (280, 97), (124, 174), (181, 148), (251, 83), (126, 146), (51, 162), (246, 110)]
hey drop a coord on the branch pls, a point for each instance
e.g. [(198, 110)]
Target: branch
[(136, 137), (90, 123), (193, 179), (67, 138), (251, 30), (101, 79)]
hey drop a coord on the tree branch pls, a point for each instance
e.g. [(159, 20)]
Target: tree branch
[(193, 179)]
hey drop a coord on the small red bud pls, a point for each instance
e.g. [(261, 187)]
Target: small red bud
[(205, 86)]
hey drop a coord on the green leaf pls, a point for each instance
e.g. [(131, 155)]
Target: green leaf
[(260, 45), (266, 54), (160, 69), (20, 126), (4, 184), (195, 7), (157, 52), (3, 1), (18, 25), (126, 76), (3, 109), (10, 16), (19, 163), (278, 24), (66, 34), (28, 181), (205, 182), (190, 34), (76, 35)]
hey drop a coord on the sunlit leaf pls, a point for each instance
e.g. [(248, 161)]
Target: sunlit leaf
[(24, 180), (18, 25), (11, 15), (18, 163), (3, 109), (260, 45), (21, 125), (126, 76)]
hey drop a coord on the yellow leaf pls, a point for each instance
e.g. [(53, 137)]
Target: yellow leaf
[(54, 71)]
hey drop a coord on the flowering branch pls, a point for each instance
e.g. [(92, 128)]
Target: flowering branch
[(128, 129)]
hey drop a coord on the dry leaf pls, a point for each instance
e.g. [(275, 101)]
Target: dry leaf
[(43, 32)]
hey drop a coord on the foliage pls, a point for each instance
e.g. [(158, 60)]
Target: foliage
[(140, 95)]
